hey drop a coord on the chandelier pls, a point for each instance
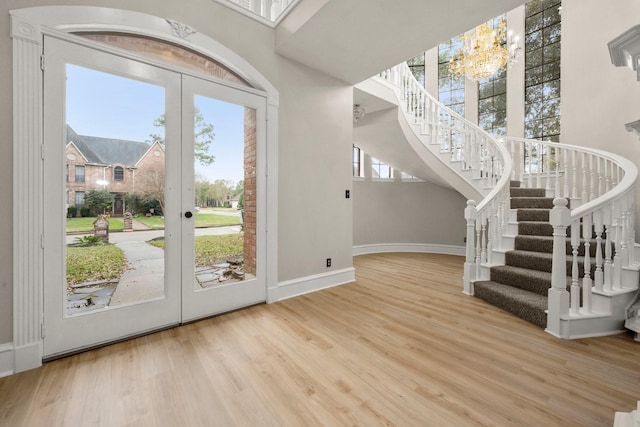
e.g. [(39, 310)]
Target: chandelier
[(483, 54)]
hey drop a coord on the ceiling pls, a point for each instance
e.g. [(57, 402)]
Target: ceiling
[(332, 35)]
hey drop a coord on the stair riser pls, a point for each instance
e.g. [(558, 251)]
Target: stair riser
[(529, 243), (533, 215), (528, 192), (531, 202), (543, 264), (531, 314), (545, 229)]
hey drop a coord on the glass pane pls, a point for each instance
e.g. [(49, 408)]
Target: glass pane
[(115, 196), (225, 193)]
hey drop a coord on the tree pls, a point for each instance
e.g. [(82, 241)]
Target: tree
[(98, 201), (204, 136)]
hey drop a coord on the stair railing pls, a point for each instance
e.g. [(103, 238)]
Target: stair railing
[(599, 187), (482, 155)]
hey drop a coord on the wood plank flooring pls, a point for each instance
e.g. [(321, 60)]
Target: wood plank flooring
[(402, 346)]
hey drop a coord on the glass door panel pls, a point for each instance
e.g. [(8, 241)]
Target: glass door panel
[(220, 139), (110, 135)]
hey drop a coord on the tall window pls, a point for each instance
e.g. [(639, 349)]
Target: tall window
[(380, 170), (450, 87), (118, 173), (416, 65), (492, 97), (357, 162), (79, 199), (67, 172), (542, 69), (79, 173)]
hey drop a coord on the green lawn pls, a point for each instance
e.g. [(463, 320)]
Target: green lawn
[(91, 263), (202, 220), (212, 249), (85, 225)]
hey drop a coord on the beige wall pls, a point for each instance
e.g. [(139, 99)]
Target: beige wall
[(597, 97), (315, 132), (407, 212)]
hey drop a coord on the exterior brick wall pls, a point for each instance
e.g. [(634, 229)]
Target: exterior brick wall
[(166, 52), (250, 190)]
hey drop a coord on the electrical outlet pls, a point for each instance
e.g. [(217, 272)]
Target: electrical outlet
[(465, 240), (328, 262), (347, 194)]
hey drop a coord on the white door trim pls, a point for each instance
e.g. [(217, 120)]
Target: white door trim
[(27, 28)]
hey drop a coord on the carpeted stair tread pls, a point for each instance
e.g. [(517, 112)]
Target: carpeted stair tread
[(545, 244), (523, 278), (532, 202), (526, 305), (528, 192), (528, 214), (542, 261)]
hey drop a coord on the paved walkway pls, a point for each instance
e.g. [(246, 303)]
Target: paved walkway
[(144, 278)]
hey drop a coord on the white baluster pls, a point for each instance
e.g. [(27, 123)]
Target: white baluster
[(598, 275), (575, 276), (592, 179), (585, 182), (565, 156), (485, 239), (587, 233), (539, 163), (608, 267), (556, 163), (547, 152), (617, 259), (574, 162), (601, 184)]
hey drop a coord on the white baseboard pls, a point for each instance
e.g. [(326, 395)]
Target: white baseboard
[(27, 357), (408, 247), (6, 360), (315, 282)]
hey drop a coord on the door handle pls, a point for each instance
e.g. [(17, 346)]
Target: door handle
[(188, 214)]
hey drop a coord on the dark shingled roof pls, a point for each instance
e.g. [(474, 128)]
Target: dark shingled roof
[(106, 150)]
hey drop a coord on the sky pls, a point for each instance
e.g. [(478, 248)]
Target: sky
[(110, 106)]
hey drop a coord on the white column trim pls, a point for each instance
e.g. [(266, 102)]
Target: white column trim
[(27, 27), (27, 194)]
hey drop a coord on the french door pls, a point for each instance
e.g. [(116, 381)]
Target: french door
[(134, 144)]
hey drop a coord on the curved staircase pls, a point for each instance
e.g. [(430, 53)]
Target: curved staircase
[(527, 251)]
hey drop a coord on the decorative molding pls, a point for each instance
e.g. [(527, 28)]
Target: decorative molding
[(633, 127), (408, 247), (180, 30), (22, 29), (315, 282), (625, 49), (28, 264), (6, 360)]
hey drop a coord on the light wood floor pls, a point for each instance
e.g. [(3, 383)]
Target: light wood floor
[(402, 346)]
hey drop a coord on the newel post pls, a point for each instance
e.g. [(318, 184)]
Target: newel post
[(470, 214), (559, 217)]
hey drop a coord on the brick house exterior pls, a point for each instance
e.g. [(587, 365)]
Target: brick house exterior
[(120, 166)]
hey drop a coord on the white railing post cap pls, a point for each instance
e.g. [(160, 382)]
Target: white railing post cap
[(470, 212), (560, 215)]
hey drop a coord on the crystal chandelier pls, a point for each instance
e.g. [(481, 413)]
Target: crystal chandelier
[(482, 54)]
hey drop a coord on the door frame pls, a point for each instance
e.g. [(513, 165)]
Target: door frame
[(28, 27)]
